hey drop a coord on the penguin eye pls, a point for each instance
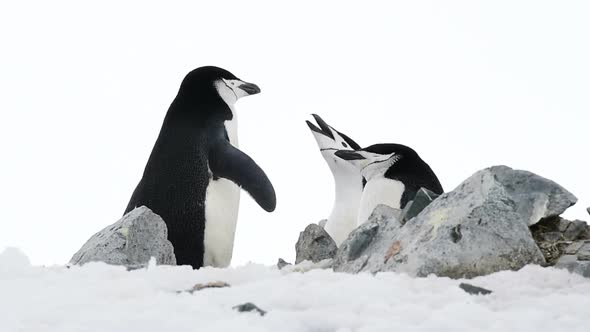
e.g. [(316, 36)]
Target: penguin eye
[(344, 145)]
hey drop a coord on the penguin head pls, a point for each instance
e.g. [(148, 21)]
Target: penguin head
[(207, 85), (375, 160), (330, 140)]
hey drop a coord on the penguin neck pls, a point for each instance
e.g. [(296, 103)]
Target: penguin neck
[(191, 116), (229, 98), (414, 173), (348, 189), (231, 126)]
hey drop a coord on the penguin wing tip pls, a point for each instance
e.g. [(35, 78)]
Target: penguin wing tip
[(272, 204), (269, 206)]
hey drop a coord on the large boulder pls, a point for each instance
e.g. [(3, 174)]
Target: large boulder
[(131, 241), (479, 228)]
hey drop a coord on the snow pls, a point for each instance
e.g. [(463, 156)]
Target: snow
[(99, 297)]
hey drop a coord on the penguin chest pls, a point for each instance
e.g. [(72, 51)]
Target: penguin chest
[(343, 218), (379, 191), (222, 203), (221, 214)]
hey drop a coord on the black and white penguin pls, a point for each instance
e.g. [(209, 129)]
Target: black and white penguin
[(348, 181), (394, 174), (194, 174)]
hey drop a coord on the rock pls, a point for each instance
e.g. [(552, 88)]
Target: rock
[(562, 224), (556, 236), (354, 252), (579, 249), (322, 223), (535, 196), (575, 229), (588, 210), (551, 236), (583, 253), (479, 228), (314, 244), (281, 263), (214, 284), (474, 290), (248, 307), (421, 200), (573, 248), (131, 241), (572, 264)]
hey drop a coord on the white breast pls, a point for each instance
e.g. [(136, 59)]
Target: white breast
[(347, 196), (379, 191), (221, 212)]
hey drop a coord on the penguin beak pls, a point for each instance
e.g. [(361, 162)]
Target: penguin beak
[(349, 155), (249, 88), (325, 128)]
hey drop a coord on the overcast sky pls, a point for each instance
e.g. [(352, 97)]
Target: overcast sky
[(467, 84)]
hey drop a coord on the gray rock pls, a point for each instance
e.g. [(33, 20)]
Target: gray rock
[(248, 307), (352, 255), (583, 253), (479, 228), (551, 236), (572, 264), (131, 241), (556, 236), (562, 224), (421, 200), (322, 223), (535, 197), (474, 290), (282, 263), (575, 229), (573, 248), (314, 244), (588, 210)]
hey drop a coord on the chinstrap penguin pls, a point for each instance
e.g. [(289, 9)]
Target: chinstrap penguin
[(348, 181), (194, 174), (394, 173)]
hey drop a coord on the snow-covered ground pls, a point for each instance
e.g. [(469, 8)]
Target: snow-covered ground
[(98, 297)]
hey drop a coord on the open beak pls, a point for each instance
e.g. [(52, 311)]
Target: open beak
[(249, 88), (323, 129), (348, 155), (314, 128)]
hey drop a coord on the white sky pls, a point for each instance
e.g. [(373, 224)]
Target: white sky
[(468, 84)]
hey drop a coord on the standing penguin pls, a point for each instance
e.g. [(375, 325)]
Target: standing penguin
[(348, 181), (394, 174), (194, 172)]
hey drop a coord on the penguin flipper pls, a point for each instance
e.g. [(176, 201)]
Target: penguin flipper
[(226, 161)]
